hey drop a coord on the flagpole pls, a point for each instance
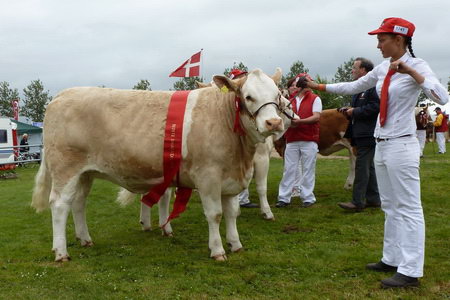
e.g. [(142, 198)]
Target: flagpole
[(201, 63)]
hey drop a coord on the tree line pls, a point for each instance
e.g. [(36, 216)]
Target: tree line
[(36, 98)]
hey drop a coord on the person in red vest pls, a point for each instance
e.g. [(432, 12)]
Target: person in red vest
[(244, 200), (398, 82), (441, 127), (301, 143)]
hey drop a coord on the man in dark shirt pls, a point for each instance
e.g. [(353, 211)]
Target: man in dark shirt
[(363, 114)]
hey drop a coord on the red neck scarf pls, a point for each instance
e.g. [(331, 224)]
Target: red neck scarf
[(385, 96)]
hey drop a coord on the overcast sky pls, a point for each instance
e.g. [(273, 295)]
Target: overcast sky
[(117, 43)]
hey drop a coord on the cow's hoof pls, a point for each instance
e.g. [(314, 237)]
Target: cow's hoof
[(87, 244), (166, 233), (64, 258), (269, 217), (238, 250), (220, 257), (144, 228)]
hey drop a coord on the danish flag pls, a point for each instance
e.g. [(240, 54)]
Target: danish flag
[(189, 68)]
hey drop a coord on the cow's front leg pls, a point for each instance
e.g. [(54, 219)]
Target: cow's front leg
[(60, 210), (261, 170), (163, 207), (212, 207), (231, 211), (145, 217)]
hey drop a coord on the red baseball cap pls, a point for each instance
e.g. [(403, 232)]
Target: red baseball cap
[(304, 75), (235, 73), (396, 26)]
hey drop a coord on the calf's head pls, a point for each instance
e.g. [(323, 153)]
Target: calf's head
[(260, 99)]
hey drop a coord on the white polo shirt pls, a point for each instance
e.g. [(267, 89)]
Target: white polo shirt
[(403, 94)]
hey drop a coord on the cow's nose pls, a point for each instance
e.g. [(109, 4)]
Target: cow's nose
[(273, 124)]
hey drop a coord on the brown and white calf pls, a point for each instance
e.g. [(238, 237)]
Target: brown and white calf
[(118, 135)]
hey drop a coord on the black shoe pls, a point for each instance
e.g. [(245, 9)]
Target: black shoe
[(381, 267), (373, 204), (350, 206), (249, 205), (399, 281), (282, 204), (308, 204)]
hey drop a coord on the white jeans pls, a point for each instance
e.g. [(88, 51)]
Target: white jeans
[(440, 139), (421, 136), (397, 170), (306, 153), (244, 197)]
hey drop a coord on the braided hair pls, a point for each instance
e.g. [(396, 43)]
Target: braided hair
[(409, 45)]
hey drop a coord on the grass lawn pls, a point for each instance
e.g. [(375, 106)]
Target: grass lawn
[(314, 253)]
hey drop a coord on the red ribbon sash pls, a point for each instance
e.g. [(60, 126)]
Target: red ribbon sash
[(172, 156), (237, 120)]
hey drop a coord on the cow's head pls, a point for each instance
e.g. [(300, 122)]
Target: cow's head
[(261, 101)]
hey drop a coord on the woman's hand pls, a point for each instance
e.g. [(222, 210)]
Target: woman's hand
[(401, 67)]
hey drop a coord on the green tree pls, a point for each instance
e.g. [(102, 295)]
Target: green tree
[(143, 84), (296, 68), (187, 83), (239, 66), (7, 94), (422, 98), (344, 74), (36, 100)]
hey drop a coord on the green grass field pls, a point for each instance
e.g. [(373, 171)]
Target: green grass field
[(314, 253)]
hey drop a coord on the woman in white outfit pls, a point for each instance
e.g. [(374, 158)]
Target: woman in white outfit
[(398, 82)]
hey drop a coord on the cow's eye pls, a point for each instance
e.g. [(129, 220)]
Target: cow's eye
[(249, 98)]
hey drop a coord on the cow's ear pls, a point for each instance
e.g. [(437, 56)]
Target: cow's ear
[(277, 76), (222, 81), (201, 85)]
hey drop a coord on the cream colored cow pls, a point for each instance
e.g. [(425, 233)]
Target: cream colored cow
[(118, 135)]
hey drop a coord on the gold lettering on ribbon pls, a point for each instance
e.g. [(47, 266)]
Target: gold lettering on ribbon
[(173, 128)]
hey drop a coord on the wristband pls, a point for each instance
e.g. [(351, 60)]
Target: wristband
[(321, 87)]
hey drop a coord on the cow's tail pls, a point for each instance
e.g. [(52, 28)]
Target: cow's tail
[(42, 187), (125, 197)]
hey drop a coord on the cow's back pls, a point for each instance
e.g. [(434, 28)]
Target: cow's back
[(107, 130)]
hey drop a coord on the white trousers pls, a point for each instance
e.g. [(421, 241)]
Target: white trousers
[(306, 154), (440, 139), (421, 136), (244, 197), (397, 170)]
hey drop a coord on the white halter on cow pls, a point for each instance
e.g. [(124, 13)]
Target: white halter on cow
[(215, 160)]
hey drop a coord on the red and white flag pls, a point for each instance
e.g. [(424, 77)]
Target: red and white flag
[(189, 68)]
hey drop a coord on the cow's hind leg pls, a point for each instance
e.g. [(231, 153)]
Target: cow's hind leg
[(351, 172), (61, 197), (230, 206), (212, 207), (82, 190)]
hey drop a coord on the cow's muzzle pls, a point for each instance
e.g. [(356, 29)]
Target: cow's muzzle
[(274, 124)]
